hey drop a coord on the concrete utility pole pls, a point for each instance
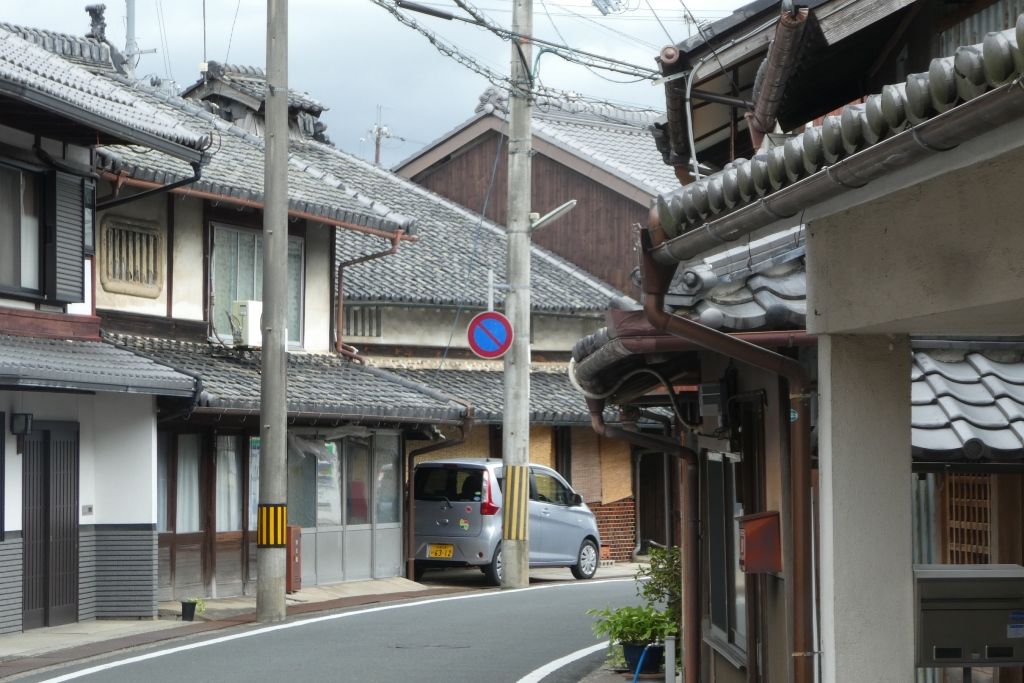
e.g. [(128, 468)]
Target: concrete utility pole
[(516, 427), (271, 527)]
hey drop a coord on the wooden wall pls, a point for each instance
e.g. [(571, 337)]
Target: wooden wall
[(596, 235)]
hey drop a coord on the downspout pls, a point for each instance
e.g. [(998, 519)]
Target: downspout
[(774, 73), (691, 526), (656, 280), (410, 525), (339, 315), (197, 174)]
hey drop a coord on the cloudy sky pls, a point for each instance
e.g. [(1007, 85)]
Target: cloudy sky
[(358, 59)]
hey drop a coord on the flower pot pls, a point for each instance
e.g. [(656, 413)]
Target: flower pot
[(188, 611), (652, 660)]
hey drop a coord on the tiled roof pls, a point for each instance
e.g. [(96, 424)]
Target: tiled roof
[(948, 83), (448, 265), (89, 52), (968, 406), (318, 384), (616, 139), (252, 81), (56, 83), (28, 362), (552, 398), (235, 169)]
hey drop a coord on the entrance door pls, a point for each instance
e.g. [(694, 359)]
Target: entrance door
[(50, 520)]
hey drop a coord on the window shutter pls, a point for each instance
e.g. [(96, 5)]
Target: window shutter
[(65, 248)]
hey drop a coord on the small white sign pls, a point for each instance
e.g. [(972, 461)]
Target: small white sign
[(1015, 630)]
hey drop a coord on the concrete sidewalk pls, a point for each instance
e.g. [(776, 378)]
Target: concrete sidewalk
[(45, 647)]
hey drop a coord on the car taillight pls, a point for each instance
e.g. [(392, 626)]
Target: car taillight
[(487, 506)]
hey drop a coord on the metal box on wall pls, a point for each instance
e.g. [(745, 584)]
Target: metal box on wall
[(760, 543), (969, 615)]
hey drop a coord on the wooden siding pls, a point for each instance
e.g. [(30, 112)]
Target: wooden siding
[(117, 571), (10, 583), (596, 235)]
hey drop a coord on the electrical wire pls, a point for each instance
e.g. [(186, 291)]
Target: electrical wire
[(231, 35), (536, 63), (164, 44), (669, 35)]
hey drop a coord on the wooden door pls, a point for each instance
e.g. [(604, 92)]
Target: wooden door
[(50, 521)]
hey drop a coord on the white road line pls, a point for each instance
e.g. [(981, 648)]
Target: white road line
[(537, 675), (314, 620)]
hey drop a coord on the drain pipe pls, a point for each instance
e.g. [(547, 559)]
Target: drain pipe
[(691, 526), (339, 316), (656, 279)]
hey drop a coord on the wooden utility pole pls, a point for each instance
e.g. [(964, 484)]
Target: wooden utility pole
[(516, 423), (271, 530)]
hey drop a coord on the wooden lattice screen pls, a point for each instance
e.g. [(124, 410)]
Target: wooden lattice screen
[(968, 519)]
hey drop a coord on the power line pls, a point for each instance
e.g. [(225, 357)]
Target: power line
[(231, 35)]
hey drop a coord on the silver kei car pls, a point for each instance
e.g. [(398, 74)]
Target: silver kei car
[(458, 519)]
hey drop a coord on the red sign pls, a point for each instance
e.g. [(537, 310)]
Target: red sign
[(490, 334)]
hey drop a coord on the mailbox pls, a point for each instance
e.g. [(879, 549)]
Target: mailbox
[(969, 615), (293, 571), (760, 543)]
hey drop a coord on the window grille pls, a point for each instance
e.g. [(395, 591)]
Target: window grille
[(362, 321), (968, 519), (131, 259)]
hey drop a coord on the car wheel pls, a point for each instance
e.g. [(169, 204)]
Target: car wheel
[(417, 571), (493, 571), (586, 561)]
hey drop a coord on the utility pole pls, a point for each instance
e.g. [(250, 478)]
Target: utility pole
[(271, 529), (516, 423)]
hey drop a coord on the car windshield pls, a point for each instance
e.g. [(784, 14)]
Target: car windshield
[(449, 483)]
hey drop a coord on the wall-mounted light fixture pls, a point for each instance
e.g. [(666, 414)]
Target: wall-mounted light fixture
[(21, 423)]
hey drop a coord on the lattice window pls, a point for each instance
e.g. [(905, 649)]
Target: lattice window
[(968, 516), (362, 321), (131, 257)]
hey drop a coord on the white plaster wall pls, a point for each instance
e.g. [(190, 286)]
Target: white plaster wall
[(84, 308), (941, 257), (319, 252), (124, 452), (867, 620), (151, 210), (187, 259), (9, 403), (433, 327)]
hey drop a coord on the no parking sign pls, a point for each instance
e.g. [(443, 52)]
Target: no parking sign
[(490, 334)]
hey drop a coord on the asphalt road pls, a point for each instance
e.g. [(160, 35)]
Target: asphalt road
[(494, 637)]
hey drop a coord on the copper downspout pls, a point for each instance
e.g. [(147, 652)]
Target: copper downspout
[(778, 66), (120, 180), (339, 316), (691, 526), (656, 279)]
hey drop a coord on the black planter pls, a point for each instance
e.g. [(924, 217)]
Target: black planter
[(652, 660), (188, 611)]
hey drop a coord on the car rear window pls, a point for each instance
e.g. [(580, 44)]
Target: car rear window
[(449, 483)]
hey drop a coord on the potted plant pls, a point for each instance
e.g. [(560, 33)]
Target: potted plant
[(190, 607), (636, 627)]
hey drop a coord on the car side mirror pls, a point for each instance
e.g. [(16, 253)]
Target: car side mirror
[(577, 499)]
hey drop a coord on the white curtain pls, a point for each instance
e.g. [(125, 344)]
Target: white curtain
[(229, 484), (162, 457), (187, 519)]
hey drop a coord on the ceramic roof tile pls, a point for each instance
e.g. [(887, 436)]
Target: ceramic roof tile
[(1008, 372), (986, 416), (958, 372), (85, 366), (26, 65), (972, 393), (928, 416), (318, 384), (89, 52), (1000, 388)]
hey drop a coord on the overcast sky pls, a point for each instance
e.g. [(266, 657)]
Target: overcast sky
[(355, 57)]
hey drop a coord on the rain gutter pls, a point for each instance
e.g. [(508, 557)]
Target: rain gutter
[(197, 174), (339, 316), (775, 72), (656, 279), (941, 133)]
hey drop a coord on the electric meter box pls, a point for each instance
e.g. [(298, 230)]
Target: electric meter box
[(969, 614)]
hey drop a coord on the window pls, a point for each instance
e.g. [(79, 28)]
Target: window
[(238, 276), (188, 518), (131, 257), (386, 492), (20, 211), (547, 489), (362, 321), (357, 481), (728, 582), (229, 484)]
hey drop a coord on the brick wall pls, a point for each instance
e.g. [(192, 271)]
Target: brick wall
[(617, 524)]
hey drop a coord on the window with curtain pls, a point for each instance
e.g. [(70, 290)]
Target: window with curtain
[(229, 484), (387, 490), (727, 580), (302, 464), (254, 480), (163, 467), (238, 276), (357, 481), (20, 202), (188, 518), (328, 485)]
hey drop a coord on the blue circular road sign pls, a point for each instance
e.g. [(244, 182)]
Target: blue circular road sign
[(490, 334)]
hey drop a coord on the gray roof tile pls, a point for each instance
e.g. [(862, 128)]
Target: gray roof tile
[(89, 52), (318, 384), (86, 366), (27, 65)]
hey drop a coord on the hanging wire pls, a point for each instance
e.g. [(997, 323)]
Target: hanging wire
[(231, 35), (669, 35), (536, 63)]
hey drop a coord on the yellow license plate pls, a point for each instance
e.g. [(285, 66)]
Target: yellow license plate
[(444, 551)]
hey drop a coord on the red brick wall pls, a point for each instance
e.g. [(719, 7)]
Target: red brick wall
[(617, 524)]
